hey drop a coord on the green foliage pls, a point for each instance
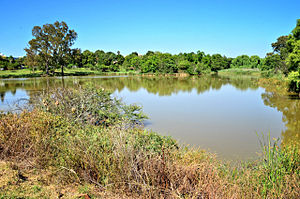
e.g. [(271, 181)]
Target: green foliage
[(294, 81), (280, 47), (50, 46), (255, 61), (153, 142), (150, 64), (242, 61), (241, 72), (11, 63), (88, 58), (166, 63), (75, 57), (296, 30), (88, 65), (132, 62), (218, 62), (277, 164), (184, 65), (271, 62), (293, 59)]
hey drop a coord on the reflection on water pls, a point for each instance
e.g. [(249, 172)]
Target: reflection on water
[(290, 108), (219, 113)]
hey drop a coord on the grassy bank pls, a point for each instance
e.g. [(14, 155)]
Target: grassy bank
[(20, 73), (241, 71), (26, 73), (86, 71), (83, 141), (252, 72)]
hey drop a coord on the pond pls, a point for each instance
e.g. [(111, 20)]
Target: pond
[(220, 114)]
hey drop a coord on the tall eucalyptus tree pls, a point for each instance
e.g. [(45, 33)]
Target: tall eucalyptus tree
[(51, 44)]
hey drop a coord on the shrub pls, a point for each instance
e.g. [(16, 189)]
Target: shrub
[(81, 153), (294, 81), (31, 135), (88, 105)]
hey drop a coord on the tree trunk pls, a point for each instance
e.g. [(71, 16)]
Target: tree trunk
[(63, 83), (62, 70), (47, 69)]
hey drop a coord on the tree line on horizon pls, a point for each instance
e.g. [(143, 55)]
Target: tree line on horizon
[(50, 49), (151, 62)]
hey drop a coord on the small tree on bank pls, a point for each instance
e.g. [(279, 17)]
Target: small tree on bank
[(50, 46)]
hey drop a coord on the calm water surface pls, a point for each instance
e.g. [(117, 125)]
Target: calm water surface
[(221, 114)]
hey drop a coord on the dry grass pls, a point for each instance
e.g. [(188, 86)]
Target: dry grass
[(131, 163), (31, 135), (17, 181)]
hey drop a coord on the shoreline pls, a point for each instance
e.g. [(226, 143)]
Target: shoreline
[(26, 73)]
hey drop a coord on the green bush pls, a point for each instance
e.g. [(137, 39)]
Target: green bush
[(294, 81)]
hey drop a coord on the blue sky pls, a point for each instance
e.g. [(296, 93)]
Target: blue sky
[(227, 27)]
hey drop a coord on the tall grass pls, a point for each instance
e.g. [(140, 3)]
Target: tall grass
[(277, 163)]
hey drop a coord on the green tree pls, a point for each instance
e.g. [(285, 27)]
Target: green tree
[(51, 43), (242, 61), (200, 56), (62, 38), (32, 60), (183, 65), (3, 62), (149, 64), (206, 60), (88, 59), (280, 47), (111, 61), (293, 45), (191, 57), (218, 62), (119, 59), (100, 57), (132, 62), (272, 62), (296, 30), (255, 61), (40, 47), (149, 53), (76, 57), (166, 63), (294, 81)]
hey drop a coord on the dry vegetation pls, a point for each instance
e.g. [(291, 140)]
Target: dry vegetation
[(46, 154)]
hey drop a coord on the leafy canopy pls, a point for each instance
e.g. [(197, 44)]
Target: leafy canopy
[(50, 46)]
